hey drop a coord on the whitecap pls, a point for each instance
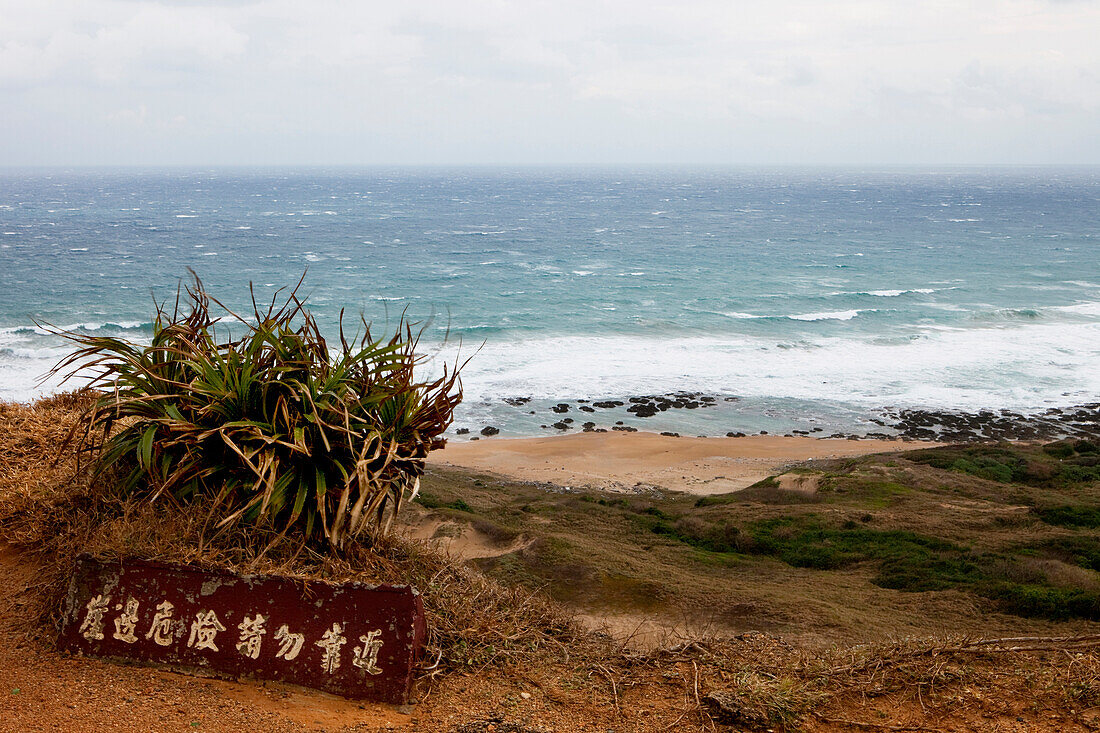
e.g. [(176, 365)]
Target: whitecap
[(827, 316), (894, 293)]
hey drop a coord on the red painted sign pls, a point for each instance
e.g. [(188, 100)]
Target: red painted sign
[(352, 639)]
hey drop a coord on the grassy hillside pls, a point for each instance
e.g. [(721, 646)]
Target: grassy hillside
[(982, 539)]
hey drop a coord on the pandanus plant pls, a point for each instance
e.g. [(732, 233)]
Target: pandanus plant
[(272, 429)]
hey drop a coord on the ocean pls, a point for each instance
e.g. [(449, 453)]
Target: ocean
[(792, 299)]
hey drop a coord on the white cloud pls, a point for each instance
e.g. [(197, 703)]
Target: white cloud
[(496, 81)]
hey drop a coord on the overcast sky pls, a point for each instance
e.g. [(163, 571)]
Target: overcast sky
[(456, 82)]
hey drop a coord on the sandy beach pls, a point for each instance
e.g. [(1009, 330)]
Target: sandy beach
[(629, 461)]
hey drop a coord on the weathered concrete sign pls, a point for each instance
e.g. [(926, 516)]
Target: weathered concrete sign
[(352, 639)]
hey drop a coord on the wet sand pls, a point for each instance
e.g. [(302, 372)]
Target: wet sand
[(631, 461)]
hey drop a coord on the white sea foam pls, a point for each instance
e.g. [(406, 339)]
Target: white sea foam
[(1085, 309), (895, 293), (827, 316), (1027, 367)]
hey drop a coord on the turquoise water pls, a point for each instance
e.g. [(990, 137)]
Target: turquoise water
[(811, 296)]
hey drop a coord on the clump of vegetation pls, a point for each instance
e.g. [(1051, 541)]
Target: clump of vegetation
[(270, 428), (1056, 464), (1070, 515)]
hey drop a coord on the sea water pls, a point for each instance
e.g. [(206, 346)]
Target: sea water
[(797, 297)]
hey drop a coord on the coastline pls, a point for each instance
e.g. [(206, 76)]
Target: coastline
[(640, 461)]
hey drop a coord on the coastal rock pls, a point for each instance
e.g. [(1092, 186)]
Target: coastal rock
[(462, 431), (560, 407), (561, 425), (489, 430)]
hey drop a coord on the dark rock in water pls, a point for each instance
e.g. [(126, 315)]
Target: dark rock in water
[(642, 410), (1053, 423), (731, 399), (706, 398), (561, 425), (517, 401), (568, 420), (560, 407), (588, 427), (671, 435), (608, 404), (732, 434), (625, 428), (475, 438), (763, 432), (619, 422), (531, 412), (489, 430), (801, 432), (586, 408), (581, 401), (600, 430), (462, 431)]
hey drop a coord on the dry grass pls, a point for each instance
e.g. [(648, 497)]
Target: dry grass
[(517, 639)]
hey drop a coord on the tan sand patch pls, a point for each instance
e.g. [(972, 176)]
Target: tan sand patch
[(625, 461)]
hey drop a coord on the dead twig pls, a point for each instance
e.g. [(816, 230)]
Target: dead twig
[(879, 726)]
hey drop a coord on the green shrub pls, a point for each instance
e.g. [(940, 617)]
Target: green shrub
[(1044, 601), (1070, 516), (273, 428), (1083, 551)]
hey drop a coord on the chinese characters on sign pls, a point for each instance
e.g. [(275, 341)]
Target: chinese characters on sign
[(356, 640)]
